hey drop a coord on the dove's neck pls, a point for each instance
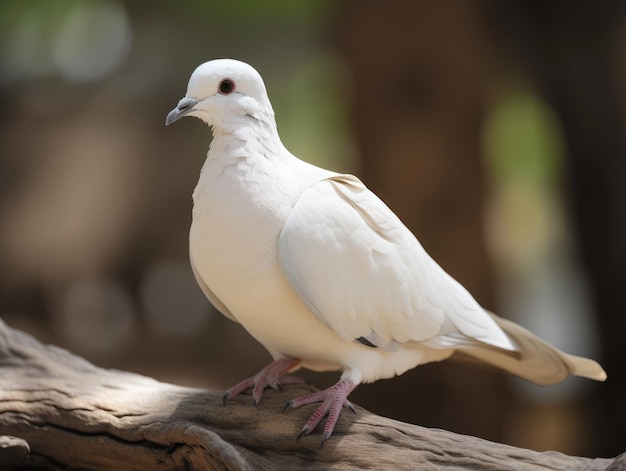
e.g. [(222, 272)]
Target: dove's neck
[(247, 137)]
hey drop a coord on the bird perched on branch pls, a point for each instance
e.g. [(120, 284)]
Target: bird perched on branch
[(320, 271)]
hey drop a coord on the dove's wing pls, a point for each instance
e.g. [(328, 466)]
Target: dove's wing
[(217, 304), (365, 275)]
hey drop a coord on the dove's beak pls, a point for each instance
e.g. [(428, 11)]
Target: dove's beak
[(182, 109)]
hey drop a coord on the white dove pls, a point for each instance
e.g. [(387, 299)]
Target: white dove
[(320, 271)]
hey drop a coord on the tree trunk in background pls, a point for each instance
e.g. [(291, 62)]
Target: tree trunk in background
[(418, 105), (577, 55), (419, 86)]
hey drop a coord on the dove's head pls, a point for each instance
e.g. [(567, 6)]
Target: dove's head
[(224, 93)]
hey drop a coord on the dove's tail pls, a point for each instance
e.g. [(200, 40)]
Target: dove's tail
[(536, 360)]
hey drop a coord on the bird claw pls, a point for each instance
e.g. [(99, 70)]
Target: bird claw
[(332, 399), (271, 376), (305, 431)]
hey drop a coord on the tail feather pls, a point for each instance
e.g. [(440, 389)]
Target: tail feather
[(536, 360)]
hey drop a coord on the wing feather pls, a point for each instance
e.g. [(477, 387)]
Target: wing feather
[(365, 275)]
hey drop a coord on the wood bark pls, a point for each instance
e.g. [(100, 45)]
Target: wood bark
[(58, 411)]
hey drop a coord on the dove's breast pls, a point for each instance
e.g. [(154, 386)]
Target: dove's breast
[(237, 218)]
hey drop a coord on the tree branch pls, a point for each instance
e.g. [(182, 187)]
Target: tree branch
[(58, 411)]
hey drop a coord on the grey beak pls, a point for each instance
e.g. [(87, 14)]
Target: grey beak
[(183, 108)]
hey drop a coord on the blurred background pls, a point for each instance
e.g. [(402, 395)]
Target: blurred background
[(494, 129)]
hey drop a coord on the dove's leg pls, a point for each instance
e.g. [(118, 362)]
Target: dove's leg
[(332, 399), (273, 376)]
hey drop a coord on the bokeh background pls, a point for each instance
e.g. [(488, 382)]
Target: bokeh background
[(495, 129)]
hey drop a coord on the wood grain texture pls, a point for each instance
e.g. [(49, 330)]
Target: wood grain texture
[(58, 411)]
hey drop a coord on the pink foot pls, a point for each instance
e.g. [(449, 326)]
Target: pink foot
[(271, 376), (332, 399)]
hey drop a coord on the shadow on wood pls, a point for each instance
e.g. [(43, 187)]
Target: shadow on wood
[(58, 411)]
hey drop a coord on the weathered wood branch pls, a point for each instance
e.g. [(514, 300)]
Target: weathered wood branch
[(58, 411)]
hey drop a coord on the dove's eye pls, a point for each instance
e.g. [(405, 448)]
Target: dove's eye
[(226, 87)]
